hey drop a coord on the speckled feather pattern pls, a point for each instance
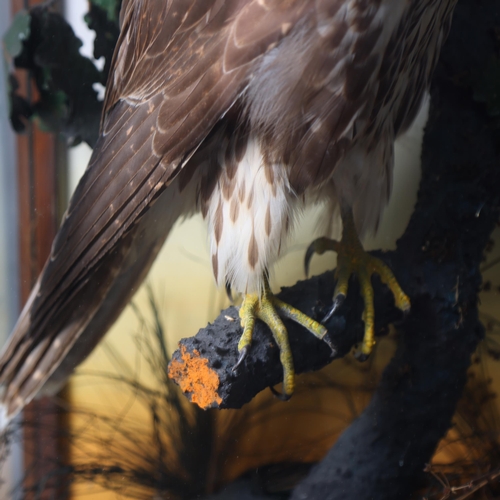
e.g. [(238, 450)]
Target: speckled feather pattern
[(241, 109), (323, 107)]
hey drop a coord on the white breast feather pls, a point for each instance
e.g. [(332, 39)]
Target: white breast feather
[(248, 231)]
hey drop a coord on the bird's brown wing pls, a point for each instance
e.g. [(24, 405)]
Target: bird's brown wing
[(178, 67)]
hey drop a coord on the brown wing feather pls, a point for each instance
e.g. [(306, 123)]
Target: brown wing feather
[(174, 75)]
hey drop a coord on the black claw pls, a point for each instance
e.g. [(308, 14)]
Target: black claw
[(337, 302), (229, 292), (328, 341), (360, 356), (311, 250), (243, 355), (280, 395)]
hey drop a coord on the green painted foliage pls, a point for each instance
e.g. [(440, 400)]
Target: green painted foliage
[(18, 32), (41, 42), (111, 7)]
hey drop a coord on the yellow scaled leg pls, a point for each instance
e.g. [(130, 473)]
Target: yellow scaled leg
[(268, 309), (352, 259)]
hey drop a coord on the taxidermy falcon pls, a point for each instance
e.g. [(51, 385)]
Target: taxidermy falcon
[(245, 110)]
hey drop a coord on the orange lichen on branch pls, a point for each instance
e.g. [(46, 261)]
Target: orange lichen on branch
[(196, 378)]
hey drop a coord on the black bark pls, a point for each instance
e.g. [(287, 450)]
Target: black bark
[(383, 453), (218, 343)]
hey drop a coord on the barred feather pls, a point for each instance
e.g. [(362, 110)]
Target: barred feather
[(273, 99)]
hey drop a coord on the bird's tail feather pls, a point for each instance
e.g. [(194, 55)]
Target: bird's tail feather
[(31, 366)]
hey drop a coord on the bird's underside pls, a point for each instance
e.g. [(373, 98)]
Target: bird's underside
[(244, 110)]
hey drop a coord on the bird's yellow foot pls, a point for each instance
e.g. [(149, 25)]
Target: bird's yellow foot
[(268, 309), (352, 259)]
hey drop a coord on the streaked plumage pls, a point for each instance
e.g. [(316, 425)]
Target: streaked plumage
[(243, 109)]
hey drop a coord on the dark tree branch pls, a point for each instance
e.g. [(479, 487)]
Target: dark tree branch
[(217, 344), (383, 453)]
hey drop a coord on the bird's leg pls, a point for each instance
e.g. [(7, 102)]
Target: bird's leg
[(268, 308), (353, 259)]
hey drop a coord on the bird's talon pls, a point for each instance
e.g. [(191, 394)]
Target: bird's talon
[(319, 246), (271, 310), (243, 354), (229, 292), (337, 302), (353, 259), (311, 250), (329, 343), (361, 356), (280, 395), (307, 259)]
